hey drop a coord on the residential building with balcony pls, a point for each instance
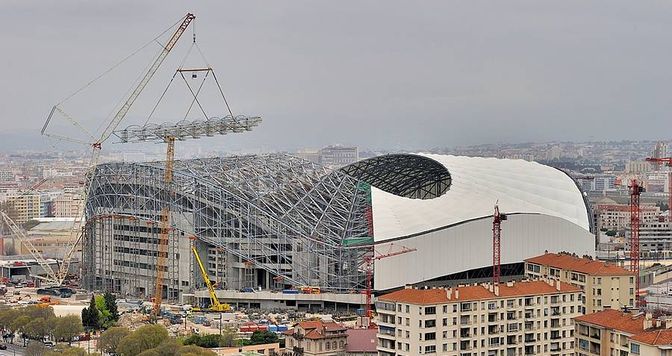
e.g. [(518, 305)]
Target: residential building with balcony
[(605, 285), (514, 318), (316, 338), (613, 332)]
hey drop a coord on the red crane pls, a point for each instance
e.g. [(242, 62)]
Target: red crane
[(496, 245), (668, 162), (635, 191), (368, 261)]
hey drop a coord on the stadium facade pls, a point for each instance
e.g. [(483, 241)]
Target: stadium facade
[(276, 221)]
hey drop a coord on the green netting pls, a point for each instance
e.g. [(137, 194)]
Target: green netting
[(355, 241)]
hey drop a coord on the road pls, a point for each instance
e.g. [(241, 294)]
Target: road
[(12, 349)]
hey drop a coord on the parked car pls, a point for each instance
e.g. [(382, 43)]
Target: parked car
[(49, 343), (3, 347)]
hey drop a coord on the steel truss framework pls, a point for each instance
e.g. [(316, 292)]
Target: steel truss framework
[(277, 213)]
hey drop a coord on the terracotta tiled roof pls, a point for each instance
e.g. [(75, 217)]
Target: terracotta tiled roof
[(577, 264), (655, 337), (479, 292), (310, 324), (317, 329), (615, 319), (361, 340)]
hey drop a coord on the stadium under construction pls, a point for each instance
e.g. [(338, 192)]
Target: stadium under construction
[(260, 221), (276, 221)]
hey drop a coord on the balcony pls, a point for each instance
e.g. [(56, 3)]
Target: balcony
[(465, 345), (529, 338), (492, 318), (382, 330)]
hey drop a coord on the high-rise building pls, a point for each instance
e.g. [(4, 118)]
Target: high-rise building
[(605, 285), (514, 318)]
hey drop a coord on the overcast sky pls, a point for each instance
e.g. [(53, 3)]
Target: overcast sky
[(378, 74)]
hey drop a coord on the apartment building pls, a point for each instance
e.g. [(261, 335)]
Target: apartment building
[(68, 205), (605, 285), (654, 237), (514, 318), (612, 332), (616, 217), (25, 207)]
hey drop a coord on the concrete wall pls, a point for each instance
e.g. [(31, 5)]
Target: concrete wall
[(468, 246)]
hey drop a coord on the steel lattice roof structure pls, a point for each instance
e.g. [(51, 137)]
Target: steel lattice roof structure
[(300, 222)]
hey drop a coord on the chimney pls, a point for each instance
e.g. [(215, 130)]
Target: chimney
[(648, 321), (557, 284), (497, 290), (510, 283), (457, 293), (449, 293)]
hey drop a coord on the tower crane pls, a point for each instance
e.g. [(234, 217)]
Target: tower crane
[(96, 146), (369, 261), (635, 191), (668, 162), (497, 219)]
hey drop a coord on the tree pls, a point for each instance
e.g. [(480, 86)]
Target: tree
[(91, 315), (263, 337), (111, 338), (61, 350), (67, 327), (7, 316), (36, 329), (111, 306), (104, 316), (145, 338), (35, 348), (228, 337), (19, 323), (192, 350)]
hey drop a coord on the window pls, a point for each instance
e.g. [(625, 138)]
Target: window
[(408, 309), (430, 310), (430, 323), (431, 349), (634, 348), (445, 309), (430, 336)]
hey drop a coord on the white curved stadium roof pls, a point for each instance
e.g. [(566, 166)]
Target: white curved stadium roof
[(477, 183)]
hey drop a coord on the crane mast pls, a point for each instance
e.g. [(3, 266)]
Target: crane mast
[(162, 254), (635, 191), (496, 245), (368, 261), (120, 115)]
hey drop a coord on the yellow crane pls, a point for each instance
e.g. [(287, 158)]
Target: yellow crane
[(215, 305)]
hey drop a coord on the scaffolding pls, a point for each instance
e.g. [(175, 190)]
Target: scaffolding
[(280, 221)]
